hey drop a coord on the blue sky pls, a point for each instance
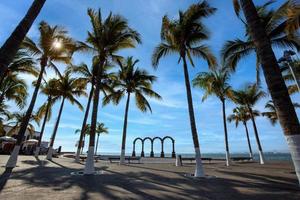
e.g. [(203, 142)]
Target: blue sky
[(170, 116)]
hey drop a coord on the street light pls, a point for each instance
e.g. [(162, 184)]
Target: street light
[(286, 59)]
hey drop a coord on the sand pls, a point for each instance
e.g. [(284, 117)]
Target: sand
[(40, 179)]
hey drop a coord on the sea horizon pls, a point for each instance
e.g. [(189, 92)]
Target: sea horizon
[(269, 156)]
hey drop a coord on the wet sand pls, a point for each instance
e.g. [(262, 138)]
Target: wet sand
[(42, 179)]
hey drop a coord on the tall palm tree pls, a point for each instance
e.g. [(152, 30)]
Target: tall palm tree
[(278, 90), (14, 89), (241, 114), (101, 129), (275, 22), (46, 52), (12, 44), (107, 37), (88, 75), (48, 88), (271, 112), (132, 80), (184, 36), (248, 97), (67, 88), (216, 83)]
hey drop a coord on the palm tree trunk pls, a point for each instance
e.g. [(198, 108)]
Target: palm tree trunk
[(276, 85), (199, 168), (225, 132), (12, 44), (77, 158), (83, 143), (122, 157), (12, 161), (97, 143), (261, 155), (37, 151), (89, 165), (248, 140), (50, 150)]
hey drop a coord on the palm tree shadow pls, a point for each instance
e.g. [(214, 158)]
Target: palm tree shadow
[(4, 177), (38, 162)]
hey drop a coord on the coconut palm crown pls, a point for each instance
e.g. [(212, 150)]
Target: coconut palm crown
[(275, 23)]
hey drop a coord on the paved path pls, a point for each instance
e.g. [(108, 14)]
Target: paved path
[(40, 179)]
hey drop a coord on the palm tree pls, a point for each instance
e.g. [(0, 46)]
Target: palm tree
[(292, 15), (45, 111), (241, 114), (46, 52), (66, 88), (216, 83), (22, 63), (248, 97), (100, 130), (14, 89), (275, 22), (184, 36), (278, 90), (107, 38), (87, 75), (271, 112), (132, 80), (16, 122), (12, 44), (83, 131)]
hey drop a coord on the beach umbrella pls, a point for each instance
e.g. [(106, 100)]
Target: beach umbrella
[(32, 141), (7, 139)]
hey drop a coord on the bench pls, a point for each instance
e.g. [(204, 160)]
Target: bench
[(241, 158), (111, 159), (191, 159)]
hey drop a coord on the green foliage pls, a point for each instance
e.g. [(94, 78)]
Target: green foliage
[(185, 35), (14, 89), (131, 79), (276, 23), (214, 82)]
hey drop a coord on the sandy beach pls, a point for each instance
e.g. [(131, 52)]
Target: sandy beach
[(42, 179)]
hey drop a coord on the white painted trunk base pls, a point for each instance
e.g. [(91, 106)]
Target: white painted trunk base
[(89, 164), (178, 162), (293, 142), (122, 157), (77, 156), (12, 161), (227, 158), (261, 158), (199, 172), (251, 155), (49, 154), (37, 151)]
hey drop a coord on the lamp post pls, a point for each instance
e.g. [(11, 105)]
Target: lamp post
[(287, 58)]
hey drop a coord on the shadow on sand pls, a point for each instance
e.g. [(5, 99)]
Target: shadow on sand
[(145, 183)]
